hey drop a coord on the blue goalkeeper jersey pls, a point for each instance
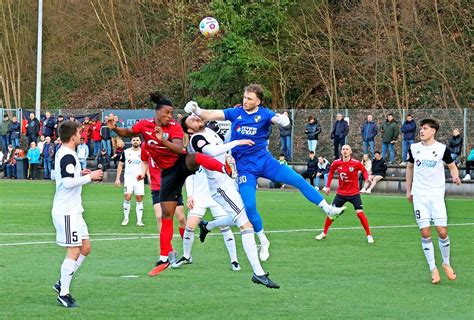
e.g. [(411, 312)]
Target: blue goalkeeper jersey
[(255, 127)]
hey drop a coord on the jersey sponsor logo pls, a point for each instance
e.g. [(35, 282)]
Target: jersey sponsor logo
[(149, 133), (343, 176), (426, 163), (248, 131), (152, 142)]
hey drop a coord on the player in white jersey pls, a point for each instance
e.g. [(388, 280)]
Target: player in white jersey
[(426, 186), (131, 158), (199, 200), (71, 229), (224, 191)]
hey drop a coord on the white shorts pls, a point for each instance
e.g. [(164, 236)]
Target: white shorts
[(132, 186), (230, 200), (430, 208), (201, 204), (70, 230)]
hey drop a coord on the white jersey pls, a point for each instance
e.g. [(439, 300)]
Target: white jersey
[(67, 200), (196, 144), (197, 184), (428, 168), (132, 161)]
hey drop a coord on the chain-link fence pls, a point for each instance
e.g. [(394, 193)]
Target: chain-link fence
[(448, 119)]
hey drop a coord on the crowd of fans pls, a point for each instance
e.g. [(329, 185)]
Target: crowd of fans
[(97, 142), (100, 143)]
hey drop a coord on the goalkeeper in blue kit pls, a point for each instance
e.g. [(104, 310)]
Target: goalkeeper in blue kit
[(253, 121)]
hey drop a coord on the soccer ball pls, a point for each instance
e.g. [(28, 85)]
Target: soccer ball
[(209, 27)]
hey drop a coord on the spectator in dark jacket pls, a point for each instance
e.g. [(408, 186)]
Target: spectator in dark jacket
[(15, 132), (368, 132), (323, 171), (48, 125), (48, 156), (379, 170), (311, 169), (106, 137), (390, 133), (32, 129), (4, 126), (339, 132), (56, 125), (285, 139), (103, 160), (8, 157), (312, 131), (409, 132), (455, 145)]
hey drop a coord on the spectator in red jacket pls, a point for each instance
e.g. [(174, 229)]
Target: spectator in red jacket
[(96, 137)]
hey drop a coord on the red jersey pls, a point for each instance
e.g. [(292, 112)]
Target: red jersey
[(163, 157), (155, 172), (348, 176)]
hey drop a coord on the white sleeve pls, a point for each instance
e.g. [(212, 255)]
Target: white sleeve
[(76, 182), (218, 149)]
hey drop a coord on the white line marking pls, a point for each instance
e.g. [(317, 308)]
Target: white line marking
[(129, 276), (129, 236)]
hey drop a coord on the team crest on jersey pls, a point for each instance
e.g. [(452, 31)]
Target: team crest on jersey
[(237, 129), (165, 135), (258, 118)]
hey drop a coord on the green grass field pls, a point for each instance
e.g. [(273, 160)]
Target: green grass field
[(341, 277)]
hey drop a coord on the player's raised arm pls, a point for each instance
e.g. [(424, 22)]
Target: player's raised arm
[(218, 149), (281, 119), (192, 107), (123, 132)]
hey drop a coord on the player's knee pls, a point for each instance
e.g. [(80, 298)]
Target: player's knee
[(86, 249), (139, 198), (246, 227), (128, 197), (425, 232)]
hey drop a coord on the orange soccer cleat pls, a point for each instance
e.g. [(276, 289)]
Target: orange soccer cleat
[(160, 266), (449, 272), (435, 279)]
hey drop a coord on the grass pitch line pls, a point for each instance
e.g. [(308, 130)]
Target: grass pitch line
[(155, 236)]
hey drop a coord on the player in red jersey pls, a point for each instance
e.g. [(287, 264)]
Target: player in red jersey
[(164, 139), (155, 185), (348, 189)]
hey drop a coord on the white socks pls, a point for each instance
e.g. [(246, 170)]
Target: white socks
[(138, 209), (188, 240), (79, 261), (67, 271), (219, 222), (250, 248), (126, 209), (428, 250), (445, 248), (325, 206), (262, 237), (229, 241)]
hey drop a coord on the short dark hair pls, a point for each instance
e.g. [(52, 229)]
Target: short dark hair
[(255, 88), (311, 152), (67, 129), (432, 123), (281, 155), (183, 123), (376, 151), (310, 118), (159, 100)]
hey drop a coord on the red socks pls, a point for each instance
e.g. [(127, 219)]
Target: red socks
[(364, 221), (181, 232), (327, 224), (209, 163), (166, 235)]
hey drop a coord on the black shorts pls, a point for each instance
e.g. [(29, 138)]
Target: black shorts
[(155, 196), (355, 200), (172, 180)]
